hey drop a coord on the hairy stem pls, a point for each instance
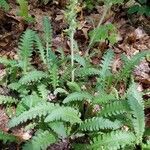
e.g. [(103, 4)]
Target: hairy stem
[(72, 54)]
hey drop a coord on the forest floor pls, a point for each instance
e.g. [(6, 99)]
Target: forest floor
[(133, 37)]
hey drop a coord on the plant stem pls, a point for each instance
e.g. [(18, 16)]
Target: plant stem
[(106, 8), (72, 54)]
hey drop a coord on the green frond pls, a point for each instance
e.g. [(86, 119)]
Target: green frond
[(131, 63), (146, 146), (47, 32), (124, 59), (137, 109), (41, 109), (103, 98), (66, 114), (54, 76), (80, 60), (78, 96), (26, 103), (5, 137), (59, 128), (97, 123), (41, 49), (74, 86), (112, 141), (14, 86), (43, 91), (19, 88), (7, 100), (4, 5), (7, 62), (106, 63), (30, 126), (33, 76), (26, 48), (85, 72), (114, 108), (60, 90), (40, 141)]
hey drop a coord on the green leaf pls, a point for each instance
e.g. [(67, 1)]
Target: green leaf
[(5, 137), (59, 128), (74, 86), (41, 109), (7, 100), (115, 108), (85, 72), (130, 64), (106, 63), (114, 140), (133, 9), (66, 114), (7, 62), (103, 32), (80, 60), (33, 76), (97, 123), (4, 4), (78, 96), (26, 48), (40, 141), (137, 109)]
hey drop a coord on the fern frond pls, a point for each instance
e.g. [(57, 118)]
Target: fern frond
[(7, 62), (7, 100), (26, 48), (80, 60), (103, 98), (78, 96), (14, 86), (48, 40), (4, 5), (137, 109), (39, 110), (66, 114), (74, 87), (113, 141), (97, 123), (41, 49), (60, 90), (59, 128), (33, 76), (40, 141), (115, 108), (146, 146), (43, 91), (54, 77), (5, 137), (26, 103), (130, 64), (85, 72), (47, 32), (106, 63)]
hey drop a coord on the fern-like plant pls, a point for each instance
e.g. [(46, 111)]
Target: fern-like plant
[(55, 108), (4, 5), (5, 137)]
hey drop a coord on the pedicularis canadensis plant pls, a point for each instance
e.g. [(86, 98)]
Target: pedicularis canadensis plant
[(71, 19), (54, 108)]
